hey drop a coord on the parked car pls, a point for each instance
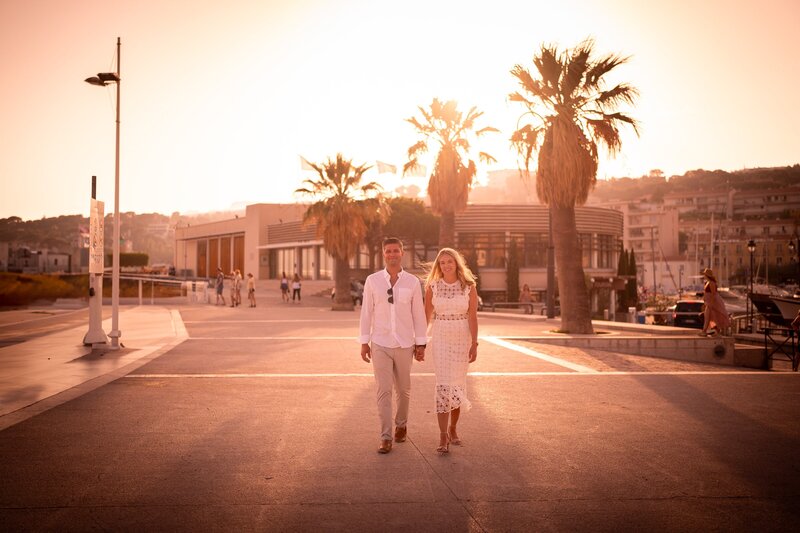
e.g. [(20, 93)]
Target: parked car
[(356, 292), (688, 314)]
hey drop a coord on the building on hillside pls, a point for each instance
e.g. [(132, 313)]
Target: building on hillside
[(24, 260), (650, 230)]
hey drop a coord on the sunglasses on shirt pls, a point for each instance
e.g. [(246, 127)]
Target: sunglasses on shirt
[(390, 292)]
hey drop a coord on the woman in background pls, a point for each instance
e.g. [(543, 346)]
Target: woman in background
[(714, 311)]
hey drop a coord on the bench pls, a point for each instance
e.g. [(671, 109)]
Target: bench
[(526, 306), (773, 344)]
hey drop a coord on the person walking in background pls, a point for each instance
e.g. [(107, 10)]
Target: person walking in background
[(284, 288), (238, 284), (392, 332), (451, 304), (251, 289), (233, 288), (714, 311), (220, 286), (296, 288)]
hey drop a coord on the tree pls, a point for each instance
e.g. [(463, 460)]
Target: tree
[(413, 222), (445, 127), (622, 270), (512, 273), (570, 114), (632, 288), (343, 210)]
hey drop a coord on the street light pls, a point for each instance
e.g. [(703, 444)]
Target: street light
[(751, 247), (102, 79)]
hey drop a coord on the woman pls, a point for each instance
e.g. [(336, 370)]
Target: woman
[(284, 287), (296, 288), (451, 304), (525, 295), (714, 308), (251, 289)]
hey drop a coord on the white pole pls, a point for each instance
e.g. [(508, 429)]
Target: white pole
[(115, 332)]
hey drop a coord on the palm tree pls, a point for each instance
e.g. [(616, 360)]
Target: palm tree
[(571, 114), (343, 210), (449, 130)]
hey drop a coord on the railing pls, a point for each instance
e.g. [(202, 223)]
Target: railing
[(195, 290)]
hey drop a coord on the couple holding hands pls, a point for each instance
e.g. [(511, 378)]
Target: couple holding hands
[(393, 331)]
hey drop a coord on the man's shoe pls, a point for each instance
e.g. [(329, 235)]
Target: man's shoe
[(386, 446), (400, 434)]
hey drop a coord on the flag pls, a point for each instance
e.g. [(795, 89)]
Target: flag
[(386, 168), (418, 171), (304, 164)]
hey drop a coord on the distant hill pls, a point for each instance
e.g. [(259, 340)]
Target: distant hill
[(655, 186)]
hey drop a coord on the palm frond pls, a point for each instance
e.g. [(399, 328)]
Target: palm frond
[(622, 93), (486, 158)]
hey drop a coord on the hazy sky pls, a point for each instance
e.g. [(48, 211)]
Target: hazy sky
[(220, 98)]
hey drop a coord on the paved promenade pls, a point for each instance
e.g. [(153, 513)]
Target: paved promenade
[(264, 419)]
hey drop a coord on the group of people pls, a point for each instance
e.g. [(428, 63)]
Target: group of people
[(295, 285), (393, 332), (235, 287)]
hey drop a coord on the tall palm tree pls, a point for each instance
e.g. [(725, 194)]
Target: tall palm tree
[(569, 113), (445, 127), (343, 210)]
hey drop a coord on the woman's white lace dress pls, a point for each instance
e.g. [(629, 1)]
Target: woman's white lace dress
[(450, 344)]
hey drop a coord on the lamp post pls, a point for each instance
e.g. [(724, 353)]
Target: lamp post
[(102, 79), (751, 247)]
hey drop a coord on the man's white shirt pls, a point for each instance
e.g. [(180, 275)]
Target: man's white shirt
[(401, 324)]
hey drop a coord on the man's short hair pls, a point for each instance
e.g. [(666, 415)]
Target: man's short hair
[(391, 240)]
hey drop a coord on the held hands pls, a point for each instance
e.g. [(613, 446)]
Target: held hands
[(419, 353), (366, 353)]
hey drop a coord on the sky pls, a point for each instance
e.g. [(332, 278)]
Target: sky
[(219, 99)]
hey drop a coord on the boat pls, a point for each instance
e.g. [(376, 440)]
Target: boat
[(788, 307), (767, 308)]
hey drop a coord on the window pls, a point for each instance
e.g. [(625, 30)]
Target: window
[(490, 248)]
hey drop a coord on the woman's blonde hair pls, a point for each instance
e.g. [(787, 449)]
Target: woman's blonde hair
[(463, 272)]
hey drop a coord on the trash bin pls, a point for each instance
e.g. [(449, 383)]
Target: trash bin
[(640, 317), (632, 315)]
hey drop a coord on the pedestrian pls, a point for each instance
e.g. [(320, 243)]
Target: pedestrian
[(220, 286), (233, 288), (525, 295), (714, 311), (296, 288), (284, 288), (392, 333), (451, 305), (251, 289), (238, 282)]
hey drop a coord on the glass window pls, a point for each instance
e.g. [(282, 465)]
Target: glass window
[(490, 248), (325, 264)]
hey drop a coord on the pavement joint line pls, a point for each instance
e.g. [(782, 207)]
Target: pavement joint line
[(538, 355), (228, 338), (55, 315), (277, 320), (471, 374)]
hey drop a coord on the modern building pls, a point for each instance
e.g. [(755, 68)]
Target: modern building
[(271, 239)]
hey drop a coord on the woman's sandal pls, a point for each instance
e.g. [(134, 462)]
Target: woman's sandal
[(454, 440), (444, 448)]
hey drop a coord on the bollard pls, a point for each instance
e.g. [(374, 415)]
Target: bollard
[(605, 314), (632, 315), (140, 292)]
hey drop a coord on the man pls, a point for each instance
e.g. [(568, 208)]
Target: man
[(220, 286), (392, 332)]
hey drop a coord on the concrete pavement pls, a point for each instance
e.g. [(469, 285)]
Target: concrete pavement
[(265, 419)]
